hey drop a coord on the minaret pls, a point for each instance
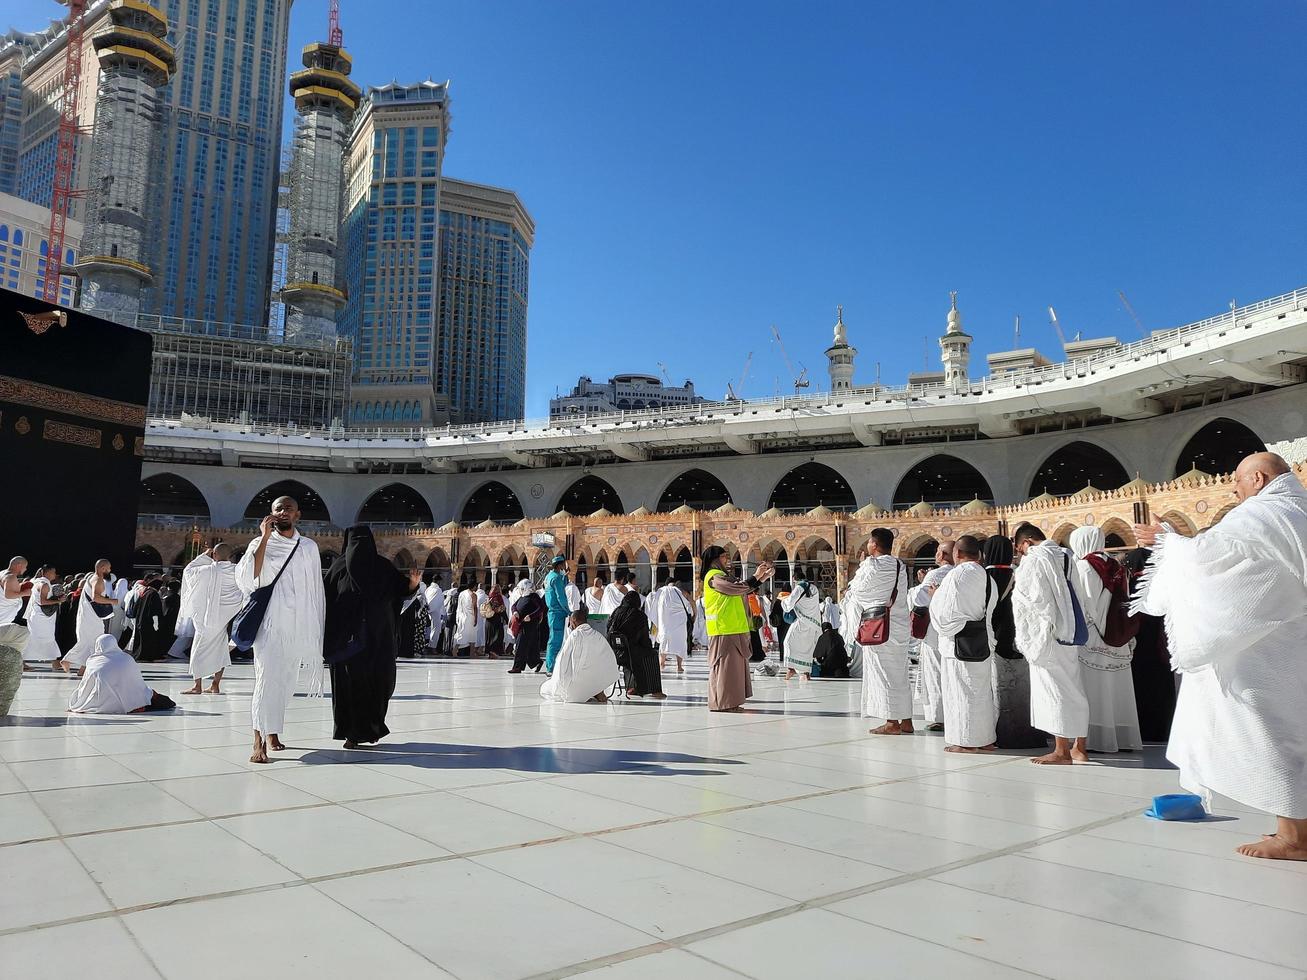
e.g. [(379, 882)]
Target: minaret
[(325, 99), (135, 62), (955, 350), (840, 355)]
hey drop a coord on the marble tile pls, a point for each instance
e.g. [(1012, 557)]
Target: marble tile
[(87, 809), (43, 882)]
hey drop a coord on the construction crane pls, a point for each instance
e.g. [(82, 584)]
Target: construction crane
[(1133, 315), (731, 390), (800, 379), (334, 34), (666, 377), (65, 154), (1052, 318)]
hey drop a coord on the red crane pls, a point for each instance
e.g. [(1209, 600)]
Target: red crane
[(334, 34), (65, 156)]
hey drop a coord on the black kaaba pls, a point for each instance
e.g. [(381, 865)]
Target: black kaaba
[(73, 392)]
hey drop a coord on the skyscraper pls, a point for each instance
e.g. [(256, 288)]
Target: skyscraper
[(325, 99), (485, 251), (392, 191), (436, 271), (219, 143), (208, 221)]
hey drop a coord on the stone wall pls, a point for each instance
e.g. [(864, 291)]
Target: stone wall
[(817, 538)]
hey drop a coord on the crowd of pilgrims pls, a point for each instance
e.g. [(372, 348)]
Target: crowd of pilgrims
[(1015, 641), (1128, 690)]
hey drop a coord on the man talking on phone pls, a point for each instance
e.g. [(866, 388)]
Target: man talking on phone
[(291, 631)]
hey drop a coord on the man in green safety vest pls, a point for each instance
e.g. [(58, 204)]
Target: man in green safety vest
[(727, 618)]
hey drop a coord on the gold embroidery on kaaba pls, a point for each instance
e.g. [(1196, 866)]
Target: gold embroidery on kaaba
[(74, 435), (39, 323), (118, 442), (22, 426), (67, 402), (139, 448)]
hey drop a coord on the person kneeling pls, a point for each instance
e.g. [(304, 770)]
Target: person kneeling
[(112, 685), (586, 666)]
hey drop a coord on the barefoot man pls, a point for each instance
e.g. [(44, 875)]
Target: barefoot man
[(1046, 625), (965, 598), (1235, 602), (210, 598), (881, 582), (291, 631)]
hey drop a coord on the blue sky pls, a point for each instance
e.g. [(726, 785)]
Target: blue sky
[(700, 171)]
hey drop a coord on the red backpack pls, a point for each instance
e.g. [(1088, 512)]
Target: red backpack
[(1120, 627)]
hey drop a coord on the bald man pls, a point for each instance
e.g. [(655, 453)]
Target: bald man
[(929, 677), (1235, 602), (13, 590)]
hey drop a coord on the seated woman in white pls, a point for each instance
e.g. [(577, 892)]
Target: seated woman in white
[(113, 685), (586, 666)]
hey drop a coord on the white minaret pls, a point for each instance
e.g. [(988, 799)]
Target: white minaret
[(955, 349), (841, 355)]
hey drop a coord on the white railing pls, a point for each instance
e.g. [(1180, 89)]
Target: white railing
[(709, 412)]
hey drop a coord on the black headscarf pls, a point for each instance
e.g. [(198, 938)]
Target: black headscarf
[(359, 568), (997, 550), (709, 558), (363, 588)]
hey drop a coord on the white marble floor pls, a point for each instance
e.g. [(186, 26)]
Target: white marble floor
[(493, 836)]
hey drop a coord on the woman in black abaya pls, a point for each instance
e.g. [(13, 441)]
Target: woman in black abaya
[(361, 637), (1150, 667), (1011, 672), (628, 627)]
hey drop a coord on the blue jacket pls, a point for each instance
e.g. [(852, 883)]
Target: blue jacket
[(556, 594)]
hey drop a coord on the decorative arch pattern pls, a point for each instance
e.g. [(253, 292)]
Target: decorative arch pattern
[(312, 507), (396, 504), (944, 481), (1076, 465), (812, 485)]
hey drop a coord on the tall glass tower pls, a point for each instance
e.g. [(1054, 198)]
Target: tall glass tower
[(219, 141)]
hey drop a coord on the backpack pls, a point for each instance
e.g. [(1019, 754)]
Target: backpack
[(1082, 626), (1120, 627)]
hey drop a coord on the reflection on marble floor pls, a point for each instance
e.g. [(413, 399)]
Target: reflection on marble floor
[(495, 836)]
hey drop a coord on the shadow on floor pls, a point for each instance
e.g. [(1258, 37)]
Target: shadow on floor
[(525, 758)]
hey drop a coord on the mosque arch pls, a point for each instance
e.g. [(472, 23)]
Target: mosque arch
[(396, 503), (696, 488), (1070, 468), (437, 560), (312, 507), (810, 485), (1218, 447), (476, 567), (403, 560), (589, 494), (919, 552), (1062, 534), (170, 495), (146, 558), (1179, 521), (1119, 529), (491, 501), (1216, 518), (942, 480)]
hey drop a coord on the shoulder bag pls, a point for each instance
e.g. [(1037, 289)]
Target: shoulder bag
[(1082, 625), (873, 628), (245, 627), (971, 644)]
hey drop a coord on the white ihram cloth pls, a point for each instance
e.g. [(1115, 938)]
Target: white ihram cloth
[(573, 596), (90, 627), (970, 712), (886, 689), (671, 614), (802, 636), (291, 631), (466, 616), (1105, 670), (41, 644), (435, 598), (210, 604), (112, 684), (929, 685), (700, 625), (1235, 602), (830, 612), (613, 597), (585, 667), (118, 620), (481, 620), (9, 608), (1041, 607)]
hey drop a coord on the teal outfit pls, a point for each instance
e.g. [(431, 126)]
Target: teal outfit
[(556, 601)]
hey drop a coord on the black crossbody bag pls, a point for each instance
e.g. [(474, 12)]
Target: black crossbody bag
[(971, 644)]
